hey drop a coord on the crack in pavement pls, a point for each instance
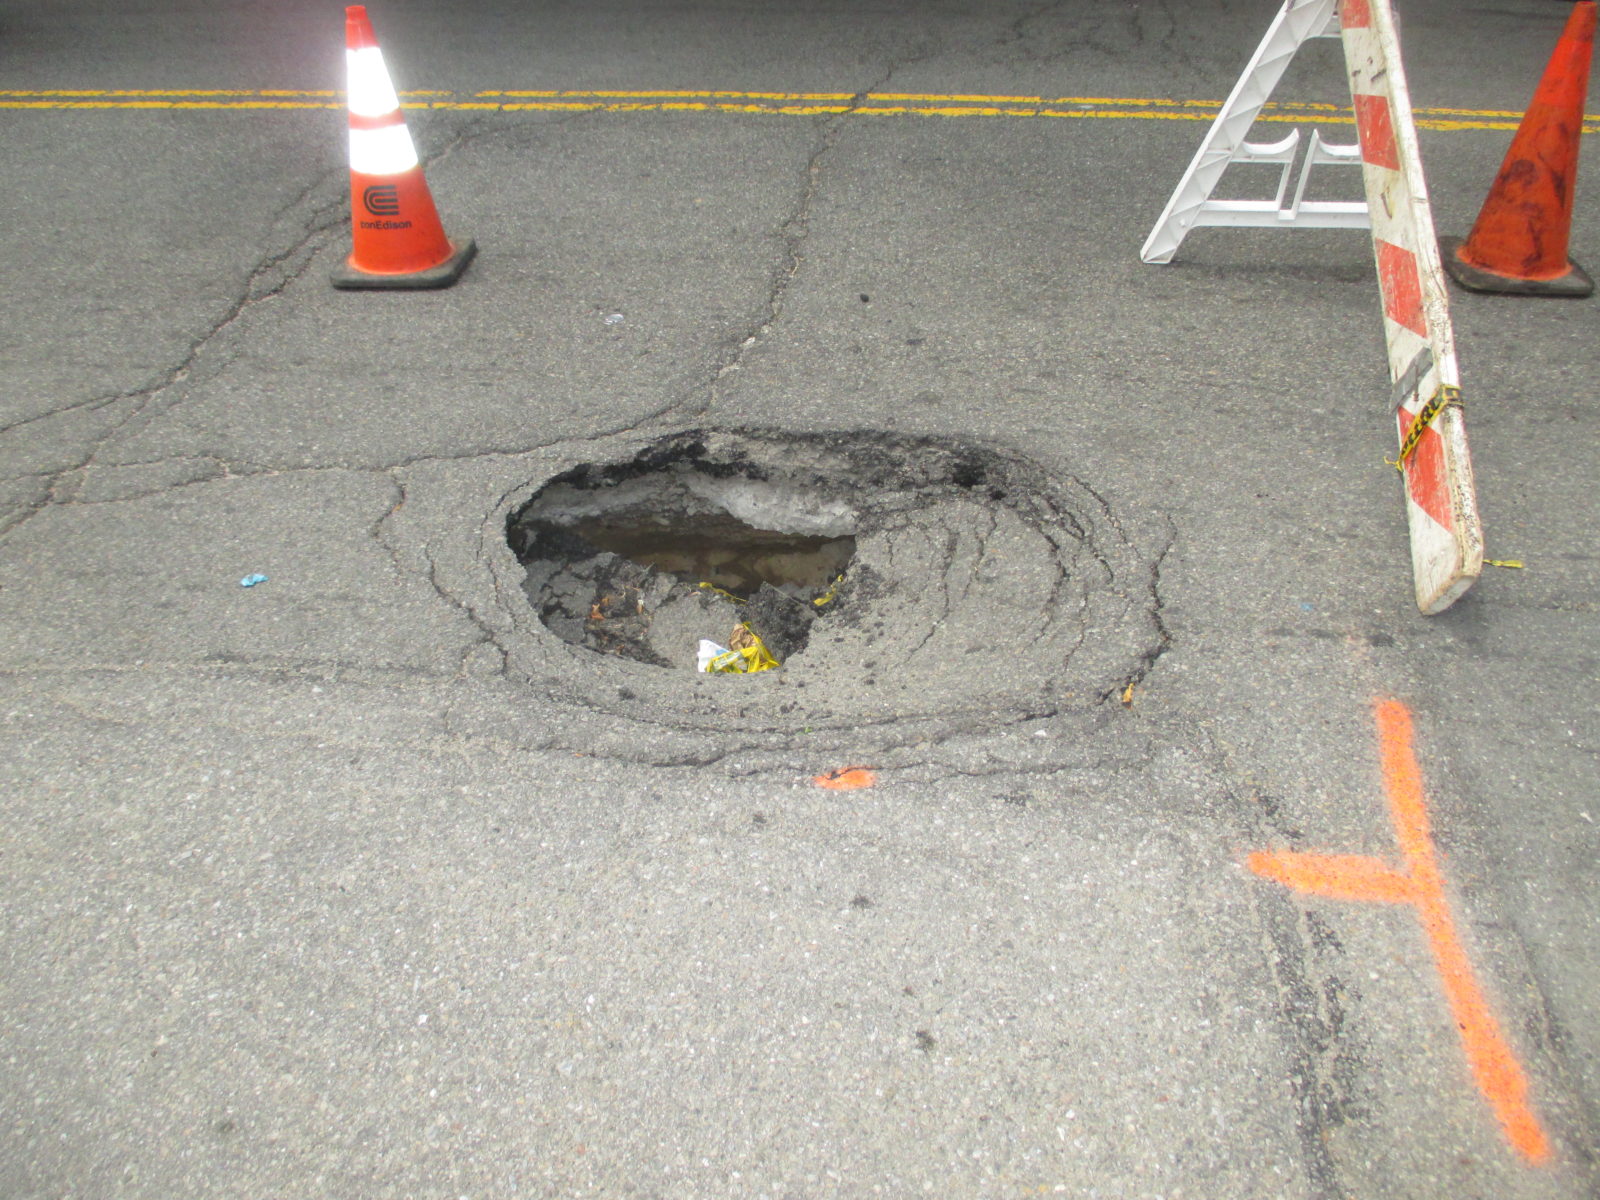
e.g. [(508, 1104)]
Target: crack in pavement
[(792, 234), (1088, 33), (1164, 639), (1170, 47), (222, 666), (226, 470), (451, 730), (1323, 1054), (267, 279), (1321, 1070), (378, 532), (1017, 31)]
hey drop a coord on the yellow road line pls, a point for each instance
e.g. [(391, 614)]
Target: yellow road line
[(676, 95), (96, 93), (800, 104)]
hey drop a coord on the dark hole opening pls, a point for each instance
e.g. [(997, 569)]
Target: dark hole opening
[(721, 550), (647, 566)]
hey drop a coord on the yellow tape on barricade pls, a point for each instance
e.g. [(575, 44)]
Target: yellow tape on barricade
[(1446, 397)]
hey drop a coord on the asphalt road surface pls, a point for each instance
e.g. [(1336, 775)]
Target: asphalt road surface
[(1195, 862)]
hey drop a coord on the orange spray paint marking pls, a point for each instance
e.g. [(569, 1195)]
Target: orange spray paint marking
[(846, 779), (1420, 883)]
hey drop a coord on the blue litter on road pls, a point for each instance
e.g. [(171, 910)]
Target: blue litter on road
[(252, 580)]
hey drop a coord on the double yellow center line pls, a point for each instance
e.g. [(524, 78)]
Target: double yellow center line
[(792, 104)]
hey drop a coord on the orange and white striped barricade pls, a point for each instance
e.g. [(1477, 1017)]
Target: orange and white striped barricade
[(1441, 503), (1425, 396)]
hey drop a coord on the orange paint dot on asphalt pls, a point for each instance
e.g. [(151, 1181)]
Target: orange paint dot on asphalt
[(1420, 883), (846, 778)]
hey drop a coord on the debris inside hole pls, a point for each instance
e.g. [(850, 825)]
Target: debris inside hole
[(646, 560)]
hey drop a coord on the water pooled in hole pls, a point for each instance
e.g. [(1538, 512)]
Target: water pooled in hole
[(722, 550), (644, 562)]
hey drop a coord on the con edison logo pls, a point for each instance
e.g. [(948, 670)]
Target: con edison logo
[(382, 200)]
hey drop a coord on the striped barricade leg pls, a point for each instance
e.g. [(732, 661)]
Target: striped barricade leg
[(1441, 503)]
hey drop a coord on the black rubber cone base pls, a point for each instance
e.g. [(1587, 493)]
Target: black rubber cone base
[(1575, 284), (443, 275)]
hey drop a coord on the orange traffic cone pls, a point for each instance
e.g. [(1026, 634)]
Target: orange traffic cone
[(398, 240), (1519, 243)]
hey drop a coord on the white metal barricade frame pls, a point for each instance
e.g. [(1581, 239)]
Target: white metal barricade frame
[(1191, 205)]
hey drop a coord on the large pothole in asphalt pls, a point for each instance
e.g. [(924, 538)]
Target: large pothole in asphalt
[(894, 579), (650, 564)]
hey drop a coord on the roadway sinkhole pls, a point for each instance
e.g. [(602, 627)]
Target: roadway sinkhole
[(893, 578)]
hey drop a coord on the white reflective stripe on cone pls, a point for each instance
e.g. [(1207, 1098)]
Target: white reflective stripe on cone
[(386, 151), (371, 93)]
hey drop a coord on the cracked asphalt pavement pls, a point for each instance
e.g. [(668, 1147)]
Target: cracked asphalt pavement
[(360, 882)]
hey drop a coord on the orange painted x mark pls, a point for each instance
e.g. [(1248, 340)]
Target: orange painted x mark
[(1420, 883)]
